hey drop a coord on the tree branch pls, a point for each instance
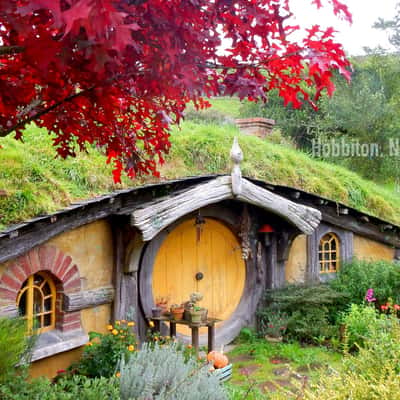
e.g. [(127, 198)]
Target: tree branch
[(20, 124), (7, 50)]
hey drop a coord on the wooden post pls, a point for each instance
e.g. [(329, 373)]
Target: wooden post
[(211, 337), (195, 338), (172, 329), (157, 325), (118, 268)]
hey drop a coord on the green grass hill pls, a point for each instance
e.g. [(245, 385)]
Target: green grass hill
[(33, 181)]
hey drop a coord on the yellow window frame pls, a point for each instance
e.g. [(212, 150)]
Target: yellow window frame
[(30, 316), (332, 262)]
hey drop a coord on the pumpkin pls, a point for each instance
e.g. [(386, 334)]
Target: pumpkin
[(219, 360)]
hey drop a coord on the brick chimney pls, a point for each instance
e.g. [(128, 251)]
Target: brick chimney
[(260, 127)]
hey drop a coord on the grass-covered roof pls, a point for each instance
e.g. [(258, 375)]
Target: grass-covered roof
[(33, 181)]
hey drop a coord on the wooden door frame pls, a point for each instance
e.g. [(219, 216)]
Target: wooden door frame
[(252, 291)]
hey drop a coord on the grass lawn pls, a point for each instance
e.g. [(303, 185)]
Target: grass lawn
[(260, 367)]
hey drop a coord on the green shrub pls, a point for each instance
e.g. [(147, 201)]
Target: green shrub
[(13, 345), (246, 335), (78, 387), (162, 373), (370, 374), (356, 277), (104, 351), (312, 310), (361, 322)]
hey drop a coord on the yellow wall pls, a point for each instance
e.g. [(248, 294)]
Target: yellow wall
[(366, 249), (49, 366), (91, 249), (297, 260)]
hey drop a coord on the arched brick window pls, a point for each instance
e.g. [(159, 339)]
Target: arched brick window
[(34, 286)]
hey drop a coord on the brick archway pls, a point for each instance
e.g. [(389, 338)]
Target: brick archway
[(59, 265)]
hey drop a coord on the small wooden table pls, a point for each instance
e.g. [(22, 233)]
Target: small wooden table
[(209, 323)]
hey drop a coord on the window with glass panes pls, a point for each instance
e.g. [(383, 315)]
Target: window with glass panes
[(37, 302), (328, 253)]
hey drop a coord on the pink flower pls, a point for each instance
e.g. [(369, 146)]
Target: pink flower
[(369, 296)]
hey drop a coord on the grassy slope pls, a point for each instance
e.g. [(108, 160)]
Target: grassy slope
[(35, 182)]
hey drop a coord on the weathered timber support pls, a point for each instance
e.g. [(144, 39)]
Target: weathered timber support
[(88, 298), (118, 268), (156, 215)]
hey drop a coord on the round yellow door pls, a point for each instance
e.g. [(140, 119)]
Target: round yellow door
[(205, 259)]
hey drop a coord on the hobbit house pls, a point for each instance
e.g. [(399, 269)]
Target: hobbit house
[(226, 236)]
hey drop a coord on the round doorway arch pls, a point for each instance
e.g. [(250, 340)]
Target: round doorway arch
[(173, 260)]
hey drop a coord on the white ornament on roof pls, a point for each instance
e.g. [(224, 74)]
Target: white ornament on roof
[(236, 174)]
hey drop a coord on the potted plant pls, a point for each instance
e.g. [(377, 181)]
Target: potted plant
[(194, 298), (177, 311), (156, 311), (196, 314), (274, 327), (162, 303)]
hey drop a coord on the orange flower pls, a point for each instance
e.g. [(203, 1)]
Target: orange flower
[(151, 324), (131, 347), (110, 327), (118, 374), (114, 332), (131, 323), (123, 321), (189, 346), (89, 344)]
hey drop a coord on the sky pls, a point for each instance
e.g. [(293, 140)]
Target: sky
[(353, 37)]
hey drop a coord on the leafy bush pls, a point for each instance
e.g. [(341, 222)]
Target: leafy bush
[(246, 335), (274, 324), (312, 310), (370, 374), (356, 277), (79, 387), (362, 322), (104, 351), (162, 373), (13, 345)]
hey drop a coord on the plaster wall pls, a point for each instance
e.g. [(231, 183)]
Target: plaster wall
[(93, 319), (366, 249), (91, 249), (295, 270)]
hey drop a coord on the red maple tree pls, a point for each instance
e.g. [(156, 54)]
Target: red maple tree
[(118, 73)]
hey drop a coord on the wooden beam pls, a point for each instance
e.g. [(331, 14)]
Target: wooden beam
[(156, 215), (303, 217), (88, 298), (368, 230)]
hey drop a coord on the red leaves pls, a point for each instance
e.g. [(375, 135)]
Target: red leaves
[(118, 73)]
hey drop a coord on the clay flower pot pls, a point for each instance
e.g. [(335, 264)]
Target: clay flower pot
[(156, 312), (196, 316), (177, 312), (163, 307)]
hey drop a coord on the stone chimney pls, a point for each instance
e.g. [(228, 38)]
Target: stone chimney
[(260, 127)]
